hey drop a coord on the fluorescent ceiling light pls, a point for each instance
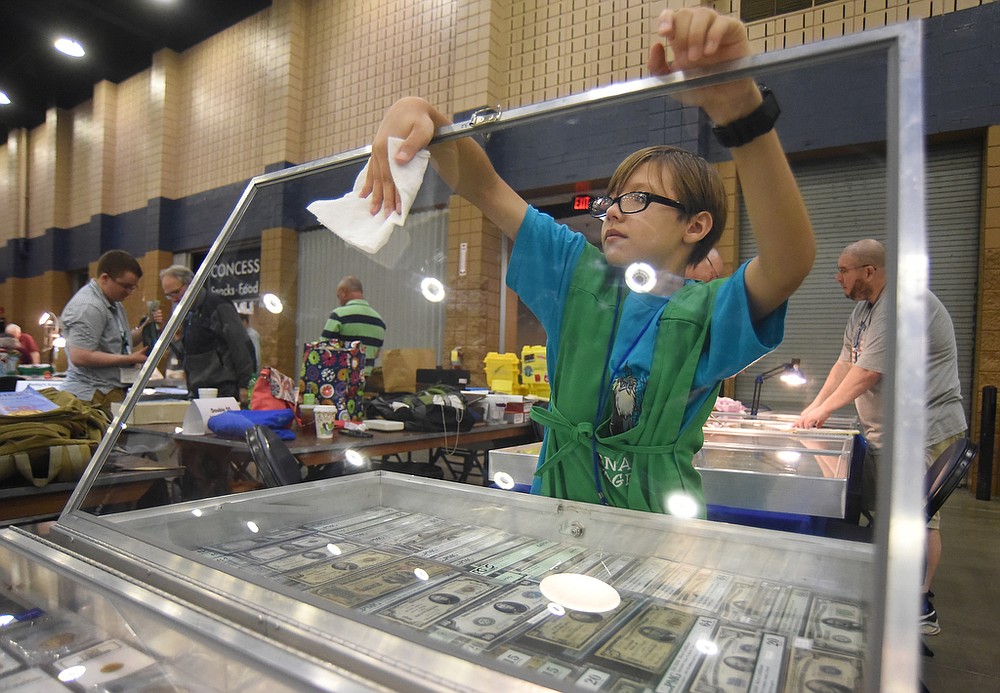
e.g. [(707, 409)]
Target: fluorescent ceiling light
[(69, 47)]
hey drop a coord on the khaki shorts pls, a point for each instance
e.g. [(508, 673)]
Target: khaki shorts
[(931, 453)]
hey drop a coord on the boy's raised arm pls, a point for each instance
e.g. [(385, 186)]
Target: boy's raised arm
[(462, 164), (700, 37)]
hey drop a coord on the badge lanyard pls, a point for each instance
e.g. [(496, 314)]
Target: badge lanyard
[(123, 326)]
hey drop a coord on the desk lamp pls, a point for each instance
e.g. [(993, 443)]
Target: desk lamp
[(53, 337), (790, 374)]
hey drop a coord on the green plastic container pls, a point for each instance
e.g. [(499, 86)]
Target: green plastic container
[(35, 369)]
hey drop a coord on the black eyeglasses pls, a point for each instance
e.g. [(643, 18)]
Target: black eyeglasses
[(631, 203)]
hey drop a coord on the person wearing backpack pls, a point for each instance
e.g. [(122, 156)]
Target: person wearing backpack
[(213, 346)]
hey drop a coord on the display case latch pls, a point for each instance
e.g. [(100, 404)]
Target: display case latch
[(485, 115), (574, 529)]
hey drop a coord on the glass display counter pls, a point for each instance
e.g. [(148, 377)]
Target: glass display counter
[(750, 463), (69, 624), (447, 583), (763, 463)]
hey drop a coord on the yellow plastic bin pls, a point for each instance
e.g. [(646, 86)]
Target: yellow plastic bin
[(501, 372), (534, 371)]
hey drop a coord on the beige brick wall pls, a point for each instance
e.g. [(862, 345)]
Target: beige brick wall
[(279, 256), (987, 366), (364, 54), (310, 78)]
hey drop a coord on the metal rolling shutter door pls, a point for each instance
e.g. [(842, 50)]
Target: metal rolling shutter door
[(846, 201)]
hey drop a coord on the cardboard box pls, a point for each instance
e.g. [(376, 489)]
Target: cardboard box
[(160, 411), (399, 368)]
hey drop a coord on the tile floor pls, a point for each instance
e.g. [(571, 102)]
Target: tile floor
[(967, 588)]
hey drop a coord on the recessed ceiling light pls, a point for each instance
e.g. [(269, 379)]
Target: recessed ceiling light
[(4, 99), (69, 47)]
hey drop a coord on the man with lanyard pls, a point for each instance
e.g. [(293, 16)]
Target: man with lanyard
[(857, 377), (97, 332)]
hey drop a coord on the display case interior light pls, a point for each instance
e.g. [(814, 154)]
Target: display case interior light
[(272, 303)]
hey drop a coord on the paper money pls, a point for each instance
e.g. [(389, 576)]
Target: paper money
[(673, 583), (341, 566), (646, 576), (520, 555), (705, 591), (360, 519), (688, 656), (837, 625), (389, 578), (434, 532), (498, 616), (647, 641), (609, 568), (305, 558), (496, 543), (464, 542), (810, 670), (625, 685), (750, 602), (767, 674), (576, 630), (431, 605), (730, 668), (789, 612)]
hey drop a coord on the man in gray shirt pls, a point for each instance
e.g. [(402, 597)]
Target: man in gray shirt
[(857, 377), (98, 334)]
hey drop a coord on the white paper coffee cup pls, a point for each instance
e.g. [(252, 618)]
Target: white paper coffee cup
[(325, 415), (208, 392)]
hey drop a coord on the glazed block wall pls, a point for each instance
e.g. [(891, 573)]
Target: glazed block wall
[(363, 55), (309, 78), (305, 79)]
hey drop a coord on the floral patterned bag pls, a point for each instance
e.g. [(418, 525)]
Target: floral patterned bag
[(272, 389), (334, 371)]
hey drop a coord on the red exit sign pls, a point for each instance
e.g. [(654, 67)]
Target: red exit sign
[(581, 203)]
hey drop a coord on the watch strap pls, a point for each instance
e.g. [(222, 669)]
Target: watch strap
[(748, 128)]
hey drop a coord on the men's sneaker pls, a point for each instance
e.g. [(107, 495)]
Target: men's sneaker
[(929, 620)]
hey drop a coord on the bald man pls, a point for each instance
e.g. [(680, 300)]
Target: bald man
[(28, 346), (857, 377), (711, 267)]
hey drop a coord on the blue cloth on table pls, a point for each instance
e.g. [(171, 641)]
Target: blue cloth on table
[(235, 424)]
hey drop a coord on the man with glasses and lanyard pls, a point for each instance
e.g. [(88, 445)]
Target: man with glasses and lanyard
[(98, 335), (857, 377)]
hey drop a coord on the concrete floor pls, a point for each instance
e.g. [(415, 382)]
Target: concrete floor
[(967, 588)]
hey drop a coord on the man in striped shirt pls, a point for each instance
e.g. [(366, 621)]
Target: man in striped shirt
[(355, 319)]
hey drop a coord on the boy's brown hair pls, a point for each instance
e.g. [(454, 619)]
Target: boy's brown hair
[(696, 183)]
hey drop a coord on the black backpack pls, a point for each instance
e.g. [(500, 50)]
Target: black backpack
[(440, 408)]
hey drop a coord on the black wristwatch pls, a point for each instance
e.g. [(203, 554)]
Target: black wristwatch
[(760, 121)]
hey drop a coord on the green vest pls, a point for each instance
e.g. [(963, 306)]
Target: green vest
[(645, 464)]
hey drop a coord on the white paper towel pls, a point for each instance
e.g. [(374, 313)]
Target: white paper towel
[(349, 216)]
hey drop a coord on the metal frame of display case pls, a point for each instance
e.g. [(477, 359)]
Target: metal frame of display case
[(893, 645)]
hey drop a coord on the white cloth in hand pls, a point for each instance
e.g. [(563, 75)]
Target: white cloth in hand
[(349, 216)]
